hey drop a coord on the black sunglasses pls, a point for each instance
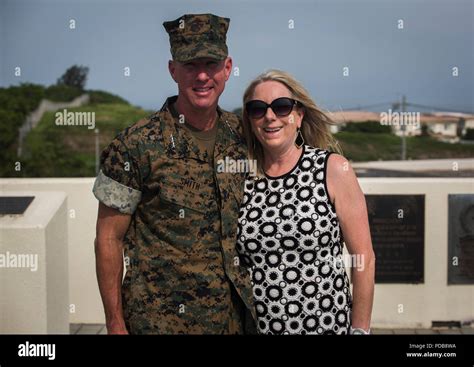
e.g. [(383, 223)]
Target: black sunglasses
[(281, 107)]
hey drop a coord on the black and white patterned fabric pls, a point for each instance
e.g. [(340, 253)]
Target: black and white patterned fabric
[(289, 237)]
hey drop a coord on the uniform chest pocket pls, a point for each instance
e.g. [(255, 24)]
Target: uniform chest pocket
[(175, 196), (237, 187)]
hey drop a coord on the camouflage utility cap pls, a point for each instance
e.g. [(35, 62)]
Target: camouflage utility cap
[(193, 36)]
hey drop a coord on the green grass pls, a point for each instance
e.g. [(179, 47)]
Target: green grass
[(110, 119), (361, 147), (69, 151), (88, 160)]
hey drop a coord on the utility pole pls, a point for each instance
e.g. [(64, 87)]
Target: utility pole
[(97, 162), (403, 127)]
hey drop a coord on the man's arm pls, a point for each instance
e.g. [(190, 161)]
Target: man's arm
[(110, 230)]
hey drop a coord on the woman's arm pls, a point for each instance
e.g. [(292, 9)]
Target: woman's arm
[(351, 209)]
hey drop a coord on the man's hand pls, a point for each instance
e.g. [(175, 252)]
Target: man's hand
[(117, 329)]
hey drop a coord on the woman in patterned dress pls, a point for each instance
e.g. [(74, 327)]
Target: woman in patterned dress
[(297, 213)]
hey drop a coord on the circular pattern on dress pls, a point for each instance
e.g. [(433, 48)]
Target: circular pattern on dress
[(321, 208), (273, 259), (253, 214), (309, 289), (289, 243), (291, 275), (289, 181), (252, 246), (307, 257), (306, 226), (289, 238), (268, 229), (287, 211), (273, 199)]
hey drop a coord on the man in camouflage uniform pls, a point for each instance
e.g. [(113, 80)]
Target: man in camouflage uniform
[(164, 200)]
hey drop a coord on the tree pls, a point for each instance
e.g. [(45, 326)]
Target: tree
[(469, 135), (75, 76), (238, 111), (424, 130)]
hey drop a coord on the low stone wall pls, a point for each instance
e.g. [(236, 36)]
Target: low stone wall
[(33, 119)]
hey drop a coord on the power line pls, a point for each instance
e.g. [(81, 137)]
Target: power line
[(368, 106), (397, 104), (438, 108)]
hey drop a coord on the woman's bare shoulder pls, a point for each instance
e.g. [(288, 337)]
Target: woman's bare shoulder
[(340, 175)]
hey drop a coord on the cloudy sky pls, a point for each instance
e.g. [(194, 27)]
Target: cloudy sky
[(384, 61)]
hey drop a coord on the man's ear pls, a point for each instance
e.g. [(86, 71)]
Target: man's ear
[(227, 67), (172, 69)]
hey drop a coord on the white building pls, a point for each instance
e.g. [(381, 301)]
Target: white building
[(446, 126)]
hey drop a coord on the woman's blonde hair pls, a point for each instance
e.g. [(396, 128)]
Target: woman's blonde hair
[(315, 125)]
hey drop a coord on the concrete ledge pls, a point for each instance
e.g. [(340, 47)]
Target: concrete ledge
[(422, 303), (34, 280)]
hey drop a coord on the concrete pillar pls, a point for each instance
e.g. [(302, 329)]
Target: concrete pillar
[(34, 291)]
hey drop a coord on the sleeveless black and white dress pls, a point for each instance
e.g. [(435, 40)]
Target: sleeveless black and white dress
[(290, 239)]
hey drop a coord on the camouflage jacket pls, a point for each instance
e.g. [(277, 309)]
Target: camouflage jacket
[(180, 245)]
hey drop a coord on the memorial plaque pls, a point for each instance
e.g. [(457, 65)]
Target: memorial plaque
[(14, 204), (397, 227), (461, 239)]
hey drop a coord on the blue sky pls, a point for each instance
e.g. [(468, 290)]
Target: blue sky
[(384, 61)]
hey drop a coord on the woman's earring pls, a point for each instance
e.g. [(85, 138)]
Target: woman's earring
[(299, 138)]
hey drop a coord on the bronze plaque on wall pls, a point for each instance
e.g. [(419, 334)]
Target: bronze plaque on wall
[(461, 239), (397, 227)]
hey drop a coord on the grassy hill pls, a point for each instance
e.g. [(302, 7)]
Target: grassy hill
[(361, 146), (69, 151), (57, 151)]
